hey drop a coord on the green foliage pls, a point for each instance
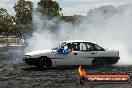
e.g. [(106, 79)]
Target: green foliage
[(9, 27), (21, 23), (49, 8), (23, 11), (68, 18), (21, 29), (6, 22), (3, 13)]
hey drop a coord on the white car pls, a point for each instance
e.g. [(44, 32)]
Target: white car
[(73, 52)]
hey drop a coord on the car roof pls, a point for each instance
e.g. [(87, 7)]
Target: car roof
[(70, 41)]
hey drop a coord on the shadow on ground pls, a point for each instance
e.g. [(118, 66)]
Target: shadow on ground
[(33, 68)]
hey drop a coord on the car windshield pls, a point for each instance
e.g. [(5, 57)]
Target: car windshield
[(58, 46)]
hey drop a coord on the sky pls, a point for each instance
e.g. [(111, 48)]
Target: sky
[(69, 7)]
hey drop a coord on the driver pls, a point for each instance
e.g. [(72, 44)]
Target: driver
[(69, 45), (74, 46)]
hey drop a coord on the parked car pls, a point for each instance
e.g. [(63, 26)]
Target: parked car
[(74, 52)]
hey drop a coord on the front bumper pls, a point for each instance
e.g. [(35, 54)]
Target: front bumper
[(30, 61)]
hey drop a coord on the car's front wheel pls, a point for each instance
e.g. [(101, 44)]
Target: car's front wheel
[(43, 62)]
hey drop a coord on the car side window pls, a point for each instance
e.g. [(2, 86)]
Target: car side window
[(65, 47), (92, 47), (70, 46), (74, 46), (95, 47), (82, 47), (99, 48), (88, 46)]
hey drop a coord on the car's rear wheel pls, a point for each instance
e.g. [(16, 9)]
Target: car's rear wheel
[(43, 62), (98, 62), (111, 61)]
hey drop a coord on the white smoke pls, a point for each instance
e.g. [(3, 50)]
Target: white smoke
[(109, 26)]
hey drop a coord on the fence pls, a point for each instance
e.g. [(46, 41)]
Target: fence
[(10, 41)]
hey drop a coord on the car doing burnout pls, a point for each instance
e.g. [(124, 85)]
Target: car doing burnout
[(72, 53)]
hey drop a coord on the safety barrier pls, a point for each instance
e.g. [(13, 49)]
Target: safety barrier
[(10, 41)]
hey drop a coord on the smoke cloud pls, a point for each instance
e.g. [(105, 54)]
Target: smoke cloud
[(108, 26)]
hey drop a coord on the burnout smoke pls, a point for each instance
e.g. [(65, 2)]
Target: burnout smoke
[(109, 26)]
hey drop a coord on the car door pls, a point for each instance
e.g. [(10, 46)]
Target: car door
[(99, 50), (85, 54), (66, 59)]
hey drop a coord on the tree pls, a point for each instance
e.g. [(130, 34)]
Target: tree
[(49, 8), (23, 11), (6, 22), (3, 13)]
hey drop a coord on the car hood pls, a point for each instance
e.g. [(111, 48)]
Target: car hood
[(39, 52)]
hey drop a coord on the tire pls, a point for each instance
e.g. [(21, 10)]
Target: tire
[(98, 62), (43, 62), (111, 61)]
